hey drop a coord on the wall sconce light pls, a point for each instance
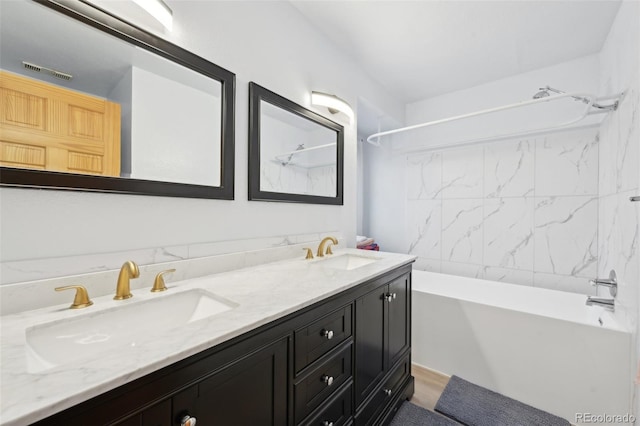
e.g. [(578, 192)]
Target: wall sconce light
[(333, 103), (159, 10)]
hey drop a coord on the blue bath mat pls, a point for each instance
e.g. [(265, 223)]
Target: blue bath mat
[(474, 405), (411, 415)]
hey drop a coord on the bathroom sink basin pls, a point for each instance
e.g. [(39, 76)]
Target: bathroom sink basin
[(346, 262), (120, 328)]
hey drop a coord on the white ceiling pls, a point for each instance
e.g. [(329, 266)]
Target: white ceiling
[(420, 49)]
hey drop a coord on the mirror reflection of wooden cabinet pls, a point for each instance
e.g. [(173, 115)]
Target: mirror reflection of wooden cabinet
[(46, 127)]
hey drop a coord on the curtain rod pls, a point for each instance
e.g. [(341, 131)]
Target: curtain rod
[(590, 97)]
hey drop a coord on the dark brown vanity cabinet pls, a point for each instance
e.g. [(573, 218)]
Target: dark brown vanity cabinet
[(383, 344), (342, 360), (251, 391)]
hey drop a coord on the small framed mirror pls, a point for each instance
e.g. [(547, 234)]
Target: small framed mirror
[(104, 105), (295, 155)]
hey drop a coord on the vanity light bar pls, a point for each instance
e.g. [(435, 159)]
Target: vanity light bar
[(332, 102), (159, 10)]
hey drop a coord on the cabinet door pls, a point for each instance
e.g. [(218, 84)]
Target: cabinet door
[(399, 310), (251, 391), (48, 127), (370, 342)]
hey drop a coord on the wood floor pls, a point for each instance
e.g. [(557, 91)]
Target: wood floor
[(429, 385)]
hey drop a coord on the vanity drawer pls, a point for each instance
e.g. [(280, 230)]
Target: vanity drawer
[(382, 395), (316, 386), (336, 412), (320, 336)]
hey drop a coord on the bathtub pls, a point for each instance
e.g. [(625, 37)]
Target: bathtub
[(543, 347)]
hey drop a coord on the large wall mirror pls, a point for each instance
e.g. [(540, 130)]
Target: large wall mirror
[(295, 154), (91, 102)]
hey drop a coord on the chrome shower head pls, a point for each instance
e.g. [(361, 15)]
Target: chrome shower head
[(543, 93)]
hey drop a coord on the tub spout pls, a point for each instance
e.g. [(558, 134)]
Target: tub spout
[(608, 304)]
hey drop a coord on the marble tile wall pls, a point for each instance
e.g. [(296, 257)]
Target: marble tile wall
[(522, 211), (618, 224), (229, 256), (40, 269), (298, 180)]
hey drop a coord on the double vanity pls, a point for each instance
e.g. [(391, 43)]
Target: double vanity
[(323, 341)]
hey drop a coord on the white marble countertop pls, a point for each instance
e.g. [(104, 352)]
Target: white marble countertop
[(263, 293)]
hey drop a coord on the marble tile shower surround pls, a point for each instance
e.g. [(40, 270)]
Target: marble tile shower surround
[(522, 211), (299, 180), (99, 272), (618, 222)]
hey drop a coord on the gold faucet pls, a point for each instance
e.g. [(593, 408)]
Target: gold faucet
[(321, 250), (129, 270)]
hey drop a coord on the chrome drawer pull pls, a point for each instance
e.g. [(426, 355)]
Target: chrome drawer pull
[(387, 392), (327, 379), (328, 334), (327, 423), (188, 421)]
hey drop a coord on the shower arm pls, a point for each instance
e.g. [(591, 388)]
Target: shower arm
[(589, 97), (584, 100)]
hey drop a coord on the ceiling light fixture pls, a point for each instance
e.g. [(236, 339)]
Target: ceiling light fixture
[(159, 10), (333, 103)]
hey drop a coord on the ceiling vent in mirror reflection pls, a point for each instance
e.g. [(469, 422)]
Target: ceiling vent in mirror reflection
[(333, 103), (39, 68)]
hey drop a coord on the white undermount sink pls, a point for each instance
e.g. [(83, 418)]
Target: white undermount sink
[(345, 262), (121, 328)]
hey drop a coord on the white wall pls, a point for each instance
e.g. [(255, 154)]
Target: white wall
[(266, 42), (122, 94), (619, 178), (164, 150), (384, 185)]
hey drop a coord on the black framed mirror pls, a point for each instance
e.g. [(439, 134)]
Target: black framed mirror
[(295, 155), (106, 106)]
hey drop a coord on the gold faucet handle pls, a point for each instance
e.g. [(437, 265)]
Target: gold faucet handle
[(309, 253), (329, 249), (158, 284), (82, 297)]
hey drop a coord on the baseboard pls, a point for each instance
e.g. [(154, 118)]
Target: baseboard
[(421, 369)]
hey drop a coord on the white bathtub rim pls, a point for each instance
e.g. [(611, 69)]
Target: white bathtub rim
[(566, 306)]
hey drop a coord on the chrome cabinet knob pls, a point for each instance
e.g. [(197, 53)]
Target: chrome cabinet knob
[(327, 379), (387, 392), (327, 423), (328, 334), (188, 421), (390, 296)]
